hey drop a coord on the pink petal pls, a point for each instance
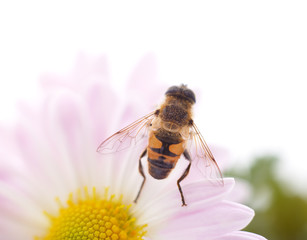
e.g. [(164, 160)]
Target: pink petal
[(210, 221), (143, 88), (241, 192), (102, 103), (241, 235), (144, 77), (68, 134), (195, 193)]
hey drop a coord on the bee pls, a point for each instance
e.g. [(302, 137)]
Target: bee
[(168, 130)]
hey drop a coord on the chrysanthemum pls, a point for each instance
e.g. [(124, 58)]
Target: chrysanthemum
[(53, 184)]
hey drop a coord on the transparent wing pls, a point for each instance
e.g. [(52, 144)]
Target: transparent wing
[(203, 157), (130, 135)]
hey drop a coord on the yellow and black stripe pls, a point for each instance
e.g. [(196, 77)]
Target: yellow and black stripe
[(163, 154)]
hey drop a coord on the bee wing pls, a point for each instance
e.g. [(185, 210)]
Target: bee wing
[(203, 157), (129, 135)]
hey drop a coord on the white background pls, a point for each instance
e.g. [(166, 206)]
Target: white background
[(248, 59)]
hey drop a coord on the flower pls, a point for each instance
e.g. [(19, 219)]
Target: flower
[(53, 184)]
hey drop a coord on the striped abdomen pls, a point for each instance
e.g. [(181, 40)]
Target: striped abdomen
[(163, 154)]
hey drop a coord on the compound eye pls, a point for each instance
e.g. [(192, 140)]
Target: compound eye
[(181, 91), (190, 95), (172, 90)]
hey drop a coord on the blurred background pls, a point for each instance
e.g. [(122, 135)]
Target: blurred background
[(246, 60)]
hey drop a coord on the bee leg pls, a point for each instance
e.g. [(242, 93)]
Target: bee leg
[(141, 170), (186, 172)]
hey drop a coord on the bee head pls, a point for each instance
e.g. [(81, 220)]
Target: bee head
[(181, 92)]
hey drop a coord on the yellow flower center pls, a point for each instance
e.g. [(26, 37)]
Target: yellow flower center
[(95, 217)]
